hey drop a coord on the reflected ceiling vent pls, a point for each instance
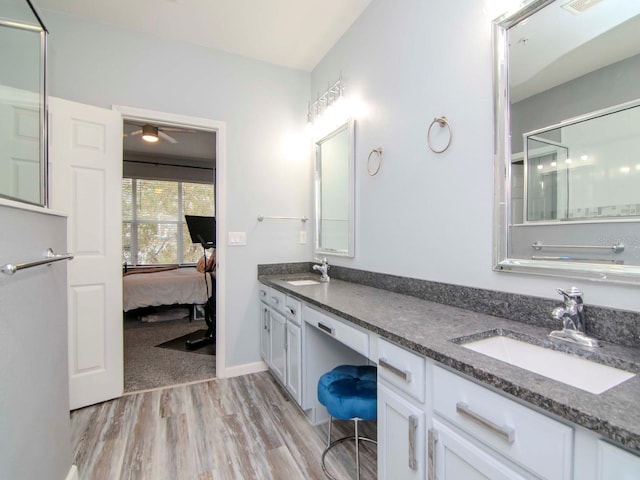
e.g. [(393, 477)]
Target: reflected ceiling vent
[(580, 6)]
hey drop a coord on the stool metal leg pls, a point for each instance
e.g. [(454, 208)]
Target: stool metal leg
[(356, 436), (355, 421)]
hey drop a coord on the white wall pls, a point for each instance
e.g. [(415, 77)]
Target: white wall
[(263, 107), (35, 432), (425, 215)]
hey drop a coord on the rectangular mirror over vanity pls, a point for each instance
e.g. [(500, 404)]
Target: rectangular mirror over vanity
[(567, 137), (335, 191)]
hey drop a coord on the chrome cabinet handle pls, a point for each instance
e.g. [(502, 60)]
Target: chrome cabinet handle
[(329, 330), (432, 439), (266, 319), (286, 338), (413, 427), (275, 300), (404, 374), (292, 311), (506, 433)]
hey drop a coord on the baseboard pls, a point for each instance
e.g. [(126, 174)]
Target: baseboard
[(73, 473), (245, 369)]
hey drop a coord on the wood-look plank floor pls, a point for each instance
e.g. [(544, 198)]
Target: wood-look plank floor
[(238, 428)]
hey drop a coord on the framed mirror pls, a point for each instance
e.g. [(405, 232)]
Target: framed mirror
[(567, 137), (23, 140), (335, 192)]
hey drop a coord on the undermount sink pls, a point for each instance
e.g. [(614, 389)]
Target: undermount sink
[(301, 282), (563, 367)]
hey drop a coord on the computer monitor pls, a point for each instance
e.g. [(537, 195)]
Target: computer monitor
[(202, 230)]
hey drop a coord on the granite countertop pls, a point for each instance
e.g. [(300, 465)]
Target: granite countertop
[(428, 328)]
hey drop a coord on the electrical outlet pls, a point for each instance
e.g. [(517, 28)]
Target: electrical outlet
[(303, 237)]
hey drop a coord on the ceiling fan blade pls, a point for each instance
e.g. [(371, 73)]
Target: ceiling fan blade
[(164, 136), (135, 132)]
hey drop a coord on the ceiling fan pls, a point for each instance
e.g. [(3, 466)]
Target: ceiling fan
[(152, 133)]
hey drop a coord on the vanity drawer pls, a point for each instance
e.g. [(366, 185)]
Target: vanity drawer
[(535, 441), (403, 369), (293, 310), (263, 293), (353, 338), (277, 300)]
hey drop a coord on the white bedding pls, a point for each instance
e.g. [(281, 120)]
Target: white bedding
[(170, 287)]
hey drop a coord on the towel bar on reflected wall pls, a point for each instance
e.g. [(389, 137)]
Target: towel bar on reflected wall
[(262, 218), (49, 257), (617, 248)]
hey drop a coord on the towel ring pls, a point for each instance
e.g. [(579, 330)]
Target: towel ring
[(443, 122), (378, 152)]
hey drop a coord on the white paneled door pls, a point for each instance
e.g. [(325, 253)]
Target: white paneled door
[(85, 182)]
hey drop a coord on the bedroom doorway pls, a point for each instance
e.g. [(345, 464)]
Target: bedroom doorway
[(163, 181)]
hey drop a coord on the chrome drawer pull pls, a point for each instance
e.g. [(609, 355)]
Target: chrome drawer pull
[(275, 300), (507, 433), (329, 330), (404, 374), (292, 311), (413, 427), (431, 440)]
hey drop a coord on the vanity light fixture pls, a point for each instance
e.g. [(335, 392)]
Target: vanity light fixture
[(150, 133), (332, 97)]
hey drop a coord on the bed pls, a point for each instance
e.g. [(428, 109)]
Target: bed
[(153, 287)]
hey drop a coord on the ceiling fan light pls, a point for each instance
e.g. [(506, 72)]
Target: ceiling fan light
[(150, 133)]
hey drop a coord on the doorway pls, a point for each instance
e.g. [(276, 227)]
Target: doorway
[(181, 166)]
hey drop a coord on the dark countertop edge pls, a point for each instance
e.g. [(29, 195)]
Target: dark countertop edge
[(537, 400)]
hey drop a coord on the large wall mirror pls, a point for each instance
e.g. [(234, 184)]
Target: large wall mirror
[(567, 139), (23, 146), (335, 192)]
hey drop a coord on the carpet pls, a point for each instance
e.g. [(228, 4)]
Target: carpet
[(147, 367), (180, 344)]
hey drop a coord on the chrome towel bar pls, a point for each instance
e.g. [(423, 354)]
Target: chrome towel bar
[(617, 248), (49, 257), (262, 218)]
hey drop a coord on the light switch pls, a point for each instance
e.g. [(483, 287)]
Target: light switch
[(303, 237), (237, 238)]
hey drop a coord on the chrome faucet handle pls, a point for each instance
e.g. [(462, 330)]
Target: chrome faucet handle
[(572, 292)]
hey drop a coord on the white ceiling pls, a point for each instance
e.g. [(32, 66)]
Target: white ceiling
[(290, 33)]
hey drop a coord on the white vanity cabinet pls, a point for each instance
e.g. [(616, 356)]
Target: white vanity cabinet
[(265, 324), (281, 338), (454, 457), (616, 464), (293, 348), (402, 413), (516, 437)]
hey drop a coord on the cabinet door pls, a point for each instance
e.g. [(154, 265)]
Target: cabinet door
[(278, 353), (616, 464), (294, 360), (265, 333), (401, 433), (452, 457)]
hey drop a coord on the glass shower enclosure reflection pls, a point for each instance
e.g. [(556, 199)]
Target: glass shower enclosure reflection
[(23, 141)]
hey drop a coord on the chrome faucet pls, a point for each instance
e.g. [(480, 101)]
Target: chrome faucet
[(323, 269), (573, 321)]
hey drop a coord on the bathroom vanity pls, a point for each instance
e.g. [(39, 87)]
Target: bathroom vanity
[(446, 411)]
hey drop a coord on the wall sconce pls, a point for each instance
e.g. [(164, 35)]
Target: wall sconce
[(332, 97)]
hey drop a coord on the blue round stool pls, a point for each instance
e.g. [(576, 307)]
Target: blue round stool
[(350, 393)]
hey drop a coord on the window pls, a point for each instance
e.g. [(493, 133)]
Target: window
[(153, 226)]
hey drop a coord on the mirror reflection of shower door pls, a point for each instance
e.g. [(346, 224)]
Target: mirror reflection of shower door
[(547, 181)]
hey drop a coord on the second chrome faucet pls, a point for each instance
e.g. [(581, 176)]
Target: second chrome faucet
[(323, 268), (573, 320)]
